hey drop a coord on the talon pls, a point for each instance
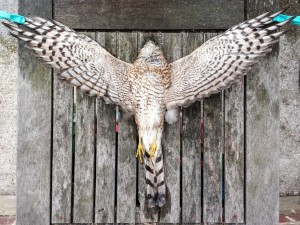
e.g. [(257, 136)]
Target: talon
[(152, 150), (140, 150)]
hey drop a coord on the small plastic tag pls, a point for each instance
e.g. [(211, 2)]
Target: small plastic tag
[(12, 17), (281, 18)]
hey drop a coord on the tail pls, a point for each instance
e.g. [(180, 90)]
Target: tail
[(155, 182)]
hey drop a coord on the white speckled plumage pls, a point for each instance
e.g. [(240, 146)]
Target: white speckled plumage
[(150, 86)]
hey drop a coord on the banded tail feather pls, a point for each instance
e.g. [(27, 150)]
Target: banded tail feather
[(154, 180)]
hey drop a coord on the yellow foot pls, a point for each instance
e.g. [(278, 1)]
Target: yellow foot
[(152, 150), (140, 152)]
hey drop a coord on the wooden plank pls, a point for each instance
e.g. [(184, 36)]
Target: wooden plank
[(171, 212), (213, 150), (144, 214), (262, 134), (289, 50), (234, 153), (212, 168), (34, 129), (62, 152), (126, 184), (149, 15), (106, 147), (84, 157), (191, 147)]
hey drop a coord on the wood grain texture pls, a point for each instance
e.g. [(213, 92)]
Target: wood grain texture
[(84, 157), (171, 46), (127, 166), (34, 130), (62, 152), (234, 153), (149, 15), (106, 147), (191, 147), (262, 135), (212, 169), (213, 149)]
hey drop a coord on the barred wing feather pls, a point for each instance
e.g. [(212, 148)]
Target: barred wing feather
[(80, 61), (221, 61)]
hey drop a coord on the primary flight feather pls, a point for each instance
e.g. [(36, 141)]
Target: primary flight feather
[(150, 89)]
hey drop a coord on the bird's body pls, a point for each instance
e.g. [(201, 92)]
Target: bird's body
[(150, 79), (150, 89)]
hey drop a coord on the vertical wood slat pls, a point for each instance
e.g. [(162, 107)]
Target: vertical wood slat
[(144, 214), (213, 149), (262, 134), (191, 147), (234, 153), (106, 146), (62, 152), (34, 129), (84, 157), (171, 46), (212, 168), (126, 180)]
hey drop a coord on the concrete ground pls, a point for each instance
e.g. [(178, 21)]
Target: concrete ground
[(289, 210)]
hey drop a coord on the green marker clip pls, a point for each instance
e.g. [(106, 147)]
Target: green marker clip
[(12, 17)]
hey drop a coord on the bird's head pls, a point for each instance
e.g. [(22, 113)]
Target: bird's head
[(151, 54)]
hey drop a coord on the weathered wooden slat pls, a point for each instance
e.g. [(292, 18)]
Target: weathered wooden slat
[(149, 15), (126, 184), (84, 157), (34, 130), (171, 46), (262, 134), (62, 152), (212, 169), (213, 149), (144, 214), (106, 147), (234, 153), (191, 147)]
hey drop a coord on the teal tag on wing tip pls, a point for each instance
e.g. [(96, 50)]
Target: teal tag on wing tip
[(281, 18), (12, 17)]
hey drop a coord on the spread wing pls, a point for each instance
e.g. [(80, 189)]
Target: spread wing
[(221, 61), (80, 61)]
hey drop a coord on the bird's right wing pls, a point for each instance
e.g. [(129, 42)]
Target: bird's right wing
[(221, 61), (80, 61)]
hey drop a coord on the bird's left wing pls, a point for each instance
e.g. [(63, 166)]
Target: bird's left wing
[(80, 61), (221, 61)]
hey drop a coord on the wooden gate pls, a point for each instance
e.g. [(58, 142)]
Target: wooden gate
[(222, 167)]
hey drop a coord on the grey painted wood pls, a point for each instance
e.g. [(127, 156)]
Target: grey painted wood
[(151, 15), (62, 152), (289, 55), (234, 153), (170, 213), (262, 136), (84, 157), (212, 169), (34, 130), (213, 149), (145, 215), (126, 184), (191, 147), (106, 147)]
